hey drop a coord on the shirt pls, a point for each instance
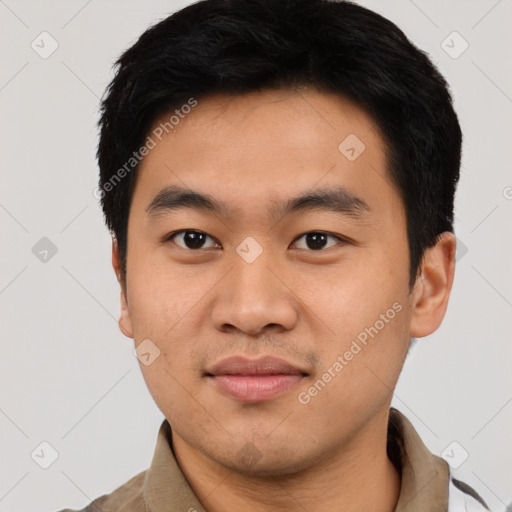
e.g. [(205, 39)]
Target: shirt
[(426, 482)]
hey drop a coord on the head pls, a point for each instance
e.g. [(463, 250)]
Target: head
[(279, 179)]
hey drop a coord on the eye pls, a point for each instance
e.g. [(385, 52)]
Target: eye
[(194, 240), (190, 239), (317, 240)]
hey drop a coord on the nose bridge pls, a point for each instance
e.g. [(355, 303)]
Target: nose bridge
[(252, 275), (252, 297)]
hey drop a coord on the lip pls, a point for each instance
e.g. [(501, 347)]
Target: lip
[(254, 380)]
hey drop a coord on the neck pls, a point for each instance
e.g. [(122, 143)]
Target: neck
[(356, 476)]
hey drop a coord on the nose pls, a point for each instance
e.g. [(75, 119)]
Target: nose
[(255, 297)]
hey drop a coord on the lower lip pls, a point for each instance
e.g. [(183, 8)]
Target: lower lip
[(256, 388)]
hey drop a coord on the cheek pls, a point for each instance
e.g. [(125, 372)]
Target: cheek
[(350, 296), (160, 294), (359, 370), (168, 390), (367, 313), (165, 302)]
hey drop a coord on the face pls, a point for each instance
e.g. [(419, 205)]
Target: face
[(280, 324)]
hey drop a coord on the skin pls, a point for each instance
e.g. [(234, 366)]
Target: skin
[(303, 305)]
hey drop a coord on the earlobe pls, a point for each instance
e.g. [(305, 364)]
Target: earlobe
[(433, 286), (125, 322)]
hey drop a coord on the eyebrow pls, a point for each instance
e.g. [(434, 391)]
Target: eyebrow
[(337, 200)]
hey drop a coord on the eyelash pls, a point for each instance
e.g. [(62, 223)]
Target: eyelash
[(169, 238)]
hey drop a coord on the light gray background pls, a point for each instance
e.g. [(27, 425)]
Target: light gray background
[(69, 377)]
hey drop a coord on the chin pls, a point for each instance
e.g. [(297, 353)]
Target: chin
[(269, 462)]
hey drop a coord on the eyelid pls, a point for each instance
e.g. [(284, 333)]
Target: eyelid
[(332, 235), (340, 239), (168, 238)]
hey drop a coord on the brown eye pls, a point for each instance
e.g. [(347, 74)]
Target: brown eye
[(317, 240), (191, 239)]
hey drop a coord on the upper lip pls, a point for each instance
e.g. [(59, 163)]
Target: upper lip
[(267, 365)]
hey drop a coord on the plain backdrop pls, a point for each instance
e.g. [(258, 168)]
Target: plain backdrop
[(69, 377)]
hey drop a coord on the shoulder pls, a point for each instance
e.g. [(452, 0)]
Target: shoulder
[(129, 497)]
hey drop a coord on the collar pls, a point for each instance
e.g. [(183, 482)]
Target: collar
[(424, 476)]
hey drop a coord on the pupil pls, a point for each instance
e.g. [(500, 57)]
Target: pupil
[(316, 240), (193, 239)]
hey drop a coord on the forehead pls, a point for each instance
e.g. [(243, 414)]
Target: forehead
[(246, 149)]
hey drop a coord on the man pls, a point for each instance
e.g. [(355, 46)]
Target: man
[(278, 177)]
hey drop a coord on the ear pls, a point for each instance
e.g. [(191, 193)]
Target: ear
[(433, 286), (125, 322)]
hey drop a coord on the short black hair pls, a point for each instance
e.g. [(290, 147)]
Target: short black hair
[(243, 46)]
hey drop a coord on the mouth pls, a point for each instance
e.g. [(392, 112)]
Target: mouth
[(254, 380)]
